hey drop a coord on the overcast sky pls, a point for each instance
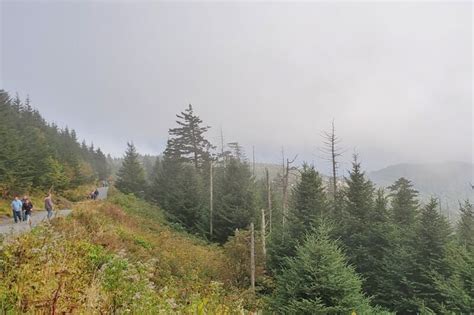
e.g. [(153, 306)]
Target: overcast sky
[(396, 77)]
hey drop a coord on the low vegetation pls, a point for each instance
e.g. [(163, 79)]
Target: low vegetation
[(117, 256)]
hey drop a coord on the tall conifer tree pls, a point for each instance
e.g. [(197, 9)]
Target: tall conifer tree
[(187, 141), (465, 225), (131, 177), (235, 198), (430, 244), (404, 203)]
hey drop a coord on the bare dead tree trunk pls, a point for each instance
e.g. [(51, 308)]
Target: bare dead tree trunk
[(253, 160), (211, 199), (264, 235), (222, 143), (222, 148), (252, 257), (285, 197), (269, 199), (333, 160), (284, 185), (332, 150), (286, 176)]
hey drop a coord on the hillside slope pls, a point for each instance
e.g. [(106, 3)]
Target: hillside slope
[(114, 257)]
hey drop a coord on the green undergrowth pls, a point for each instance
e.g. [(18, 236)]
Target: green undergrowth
[(117, 256)]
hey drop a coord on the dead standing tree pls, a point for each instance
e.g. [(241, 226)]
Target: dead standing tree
[(211, 198), (287, 168), (252, 258), (332, 152), (269, 198)]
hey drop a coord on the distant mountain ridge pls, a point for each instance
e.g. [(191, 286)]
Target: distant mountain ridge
[(448, 181)]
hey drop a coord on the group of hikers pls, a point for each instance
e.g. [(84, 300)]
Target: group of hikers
[(94, 194), (22, 208)]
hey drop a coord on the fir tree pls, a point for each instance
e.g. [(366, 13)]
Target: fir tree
[(366, 234), (465, 226), (398, 289), (131, 177), (357, 216), (177, 187), (100, 164), (235, 198), (187, 142), (379, 245), (456, 288), (318, 280), (404, 203), (309, 205), (430, 243), (309, 202)]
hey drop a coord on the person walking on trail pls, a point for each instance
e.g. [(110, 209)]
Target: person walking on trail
[(16, 209), (27, 208), (23, 216), (48, 205)]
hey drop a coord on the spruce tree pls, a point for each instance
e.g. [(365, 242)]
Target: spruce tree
[(367, 235), (309, 205), (379, 243), (430, 243), (399, 290), (100, 164), (457, 288), (235, 198), (309, 202), (357, 216), (318, 280), (177, 188), (404, 203), (131, 177), (465, 225), (187, 142)]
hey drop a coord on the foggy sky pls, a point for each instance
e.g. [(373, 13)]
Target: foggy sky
[(396, 77)]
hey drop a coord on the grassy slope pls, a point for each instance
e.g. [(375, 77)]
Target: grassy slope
[(116, 255)]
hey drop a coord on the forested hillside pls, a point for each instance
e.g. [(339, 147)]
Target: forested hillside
[(200, 232), (329, 249), (36, 155)]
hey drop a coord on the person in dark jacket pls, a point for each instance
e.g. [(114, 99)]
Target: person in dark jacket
[(27, 209), (96, 194), (23, 200)]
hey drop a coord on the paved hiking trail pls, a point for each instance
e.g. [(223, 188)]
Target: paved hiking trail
[(9, 227)]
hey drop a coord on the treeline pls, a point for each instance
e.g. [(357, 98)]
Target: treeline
[(372, 250), (327, 250), (36, 155), (180, 181)]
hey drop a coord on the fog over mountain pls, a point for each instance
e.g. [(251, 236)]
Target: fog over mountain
[(450, 182), (396, 77)]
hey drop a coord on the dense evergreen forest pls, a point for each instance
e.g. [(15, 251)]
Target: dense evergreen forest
[(40, 156), (327, 249)]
